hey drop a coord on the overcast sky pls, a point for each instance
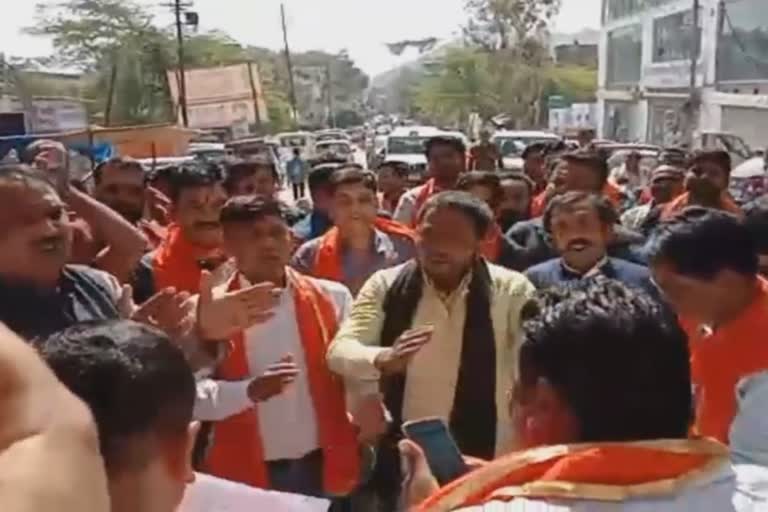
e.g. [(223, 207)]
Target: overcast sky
[(360, 26)]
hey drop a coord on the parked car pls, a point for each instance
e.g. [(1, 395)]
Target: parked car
[(511, 144)]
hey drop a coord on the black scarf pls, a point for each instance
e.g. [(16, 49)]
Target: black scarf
[(473, 420)]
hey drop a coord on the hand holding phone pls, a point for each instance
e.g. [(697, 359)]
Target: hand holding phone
[(442, 453)]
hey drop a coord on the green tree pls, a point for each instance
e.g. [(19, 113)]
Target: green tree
[(84, 31)]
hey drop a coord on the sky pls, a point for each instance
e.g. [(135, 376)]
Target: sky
[(360, 26)]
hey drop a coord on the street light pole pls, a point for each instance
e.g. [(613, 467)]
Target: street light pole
[(693, 93), (177, 9), (289, 64)]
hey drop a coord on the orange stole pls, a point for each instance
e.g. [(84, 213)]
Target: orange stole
[(237, 453), (176, 262), (327, 263), (681, 202), (424, 194), (492, 244), (601, 471)]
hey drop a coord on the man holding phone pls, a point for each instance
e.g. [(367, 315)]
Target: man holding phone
[(600, 434), (440, 333)]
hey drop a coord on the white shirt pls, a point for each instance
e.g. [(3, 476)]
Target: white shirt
[(287, 422)]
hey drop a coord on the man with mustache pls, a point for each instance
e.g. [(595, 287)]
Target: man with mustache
[(583, 171), (101, 237), (40, 292), (515, 204), (360, 243), (194, 239), (581, 225), (706, 184), (440, 332)]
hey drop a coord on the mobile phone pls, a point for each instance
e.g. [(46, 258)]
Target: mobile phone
[(443, 455)]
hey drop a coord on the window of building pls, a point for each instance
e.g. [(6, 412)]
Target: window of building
[(625, 55), (673, 37), (616, 9), (743, 42)]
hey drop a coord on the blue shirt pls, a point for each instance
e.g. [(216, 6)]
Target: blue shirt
[(554, 272), (296, 169), (312, 226), (386, 251)]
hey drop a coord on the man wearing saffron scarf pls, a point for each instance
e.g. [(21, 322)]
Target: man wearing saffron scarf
[(486, 186), (706, 264), (602, 406), (586, 171), (194, 239), (360, 243), (446, 160), (300, 440), (706, 184), (440, 333)]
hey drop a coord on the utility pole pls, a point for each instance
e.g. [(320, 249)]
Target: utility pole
[(329, 87), (693, 93), (177, 10), (288, 63)]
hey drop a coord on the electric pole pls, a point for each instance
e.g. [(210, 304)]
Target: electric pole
[(177, 10), (288, 63), (329, 82), (693, 94)]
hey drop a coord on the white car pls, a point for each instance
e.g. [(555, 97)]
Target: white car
[(334, 148), (511, 144), (407, 144)]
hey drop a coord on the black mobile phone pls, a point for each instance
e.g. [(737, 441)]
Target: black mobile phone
[(442, 453)]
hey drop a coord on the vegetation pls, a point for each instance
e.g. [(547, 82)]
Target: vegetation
[(502, 66), (117, 41)]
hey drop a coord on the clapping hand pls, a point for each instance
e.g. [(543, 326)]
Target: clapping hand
[(168, 310), (222, 317), (274, 380)]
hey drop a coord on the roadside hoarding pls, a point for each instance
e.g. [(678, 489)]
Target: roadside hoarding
[(221, 96)]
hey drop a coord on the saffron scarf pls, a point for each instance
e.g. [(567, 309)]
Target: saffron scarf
[(427, 191), (679, 204), (237, 453), (328, 260), (600, 471), (492, 245), (177, 262)]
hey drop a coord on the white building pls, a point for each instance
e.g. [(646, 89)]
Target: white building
[(645, 69)]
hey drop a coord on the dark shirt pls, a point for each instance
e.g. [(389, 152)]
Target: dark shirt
[(554, 272), (535, 246), (83, 294)]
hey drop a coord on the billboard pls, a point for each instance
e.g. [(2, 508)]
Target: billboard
[(221, 96)]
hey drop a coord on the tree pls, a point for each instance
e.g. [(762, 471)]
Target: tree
[(84, 31), (496, 25)]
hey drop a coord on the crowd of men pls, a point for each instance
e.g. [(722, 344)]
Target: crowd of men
[(592, 342)]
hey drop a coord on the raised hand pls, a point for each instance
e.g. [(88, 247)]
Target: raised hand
[(274, 380), (222, 317), (395, 360), (169, 310)]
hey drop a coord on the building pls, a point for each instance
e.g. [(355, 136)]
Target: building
[(579, 49), (646, 55)]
